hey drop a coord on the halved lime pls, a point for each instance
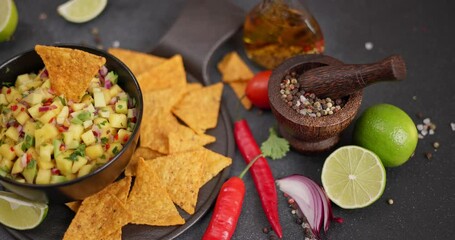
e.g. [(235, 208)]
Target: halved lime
[(353, 177), (20, 213), (79, 11), (8, 19)]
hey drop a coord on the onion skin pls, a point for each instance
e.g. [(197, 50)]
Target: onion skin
[(311, 201)]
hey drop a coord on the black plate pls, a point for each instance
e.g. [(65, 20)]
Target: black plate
[(59, 216)]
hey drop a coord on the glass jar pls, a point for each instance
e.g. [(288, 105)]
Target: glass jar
[(275, 30)]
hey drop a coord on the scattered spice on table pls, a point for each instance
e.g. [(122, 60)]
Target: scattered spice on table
[(429, 155), (452, 125), (306, 103), (390, 201), (436, 145), (369, 46), (42, 16), (427, 128)]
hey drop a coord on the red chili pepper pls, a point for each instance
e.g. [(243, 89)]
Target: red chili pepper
[(116, 137), (261, 173), (107, 146), (8, 91), (125, 138), (228, 207), (14, 108)]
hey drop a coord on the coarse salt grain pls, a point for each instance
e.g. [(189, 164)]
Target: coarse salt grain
[(368, 45), (452, 125), (116, 44), (426, 121)]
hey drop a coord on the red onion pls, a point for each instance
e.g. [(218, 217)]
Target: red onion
[(44, 74), (103, 71), (113, 100), (24, 160), (47, 108), (107, 83), (311, 200), (130, 102), (55, 171)]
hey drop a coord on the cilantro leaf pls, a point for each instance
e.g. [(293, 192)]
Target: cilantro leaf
[(274, 147), (29, 141), (79, 151)]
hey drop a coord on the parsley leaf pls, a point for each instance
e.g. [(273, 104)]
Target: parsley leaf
[(274, 147), (62, 100), (79, 151)]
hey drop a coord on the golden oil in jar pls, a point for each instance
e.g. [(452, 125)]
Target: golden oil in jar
[(278, 29)]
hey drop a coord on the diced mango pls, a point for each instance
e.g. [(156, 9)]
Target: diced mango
[(123, 135), (12, 133), (45, 152), (3, 100), (118, 120), (29, 128), (43, 176), (6, 164), (17, 167), (22, 117), (114, 149), (116, 89), (7, 152), (61, 117), (64, 164), (34, 98), (34, 111), (18, 149), (99, 98), (94, 151), (76, 131), (88, 137), (80, 162), (121, 106), (86, 169), (45, 135)]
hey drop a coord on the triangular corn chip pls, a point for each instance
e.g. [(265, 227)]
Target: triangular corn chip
[(233, 68), (137, 62), (213, 164), (143, 152), (149, 201), (199, 109), (169, 74), (181, 173), (99, 215), (70, 70), (239, 90)]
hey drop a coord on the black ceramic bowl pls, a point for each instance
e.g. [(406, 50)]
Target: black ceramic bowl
[(89, 184)]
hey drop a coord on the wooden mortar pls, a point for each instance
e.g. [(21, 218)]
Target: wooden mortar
[(307, 134)]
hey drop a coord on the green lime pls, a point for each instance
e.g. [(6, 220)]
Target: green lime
[(387, 131), (8, 19), (79, 11), (353, 177), (20, 213)]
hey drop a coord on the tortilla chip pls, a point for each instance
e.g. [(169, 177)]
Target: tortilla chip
[(157, 124), (70, 70), (164, 98), (137, 62), (199, 109), (239, 90), (143, 152), (233, 68), (181, 173), (149, 201), (74, 206), (192, 86), (185, 140), (113, 236), (120, 189), (213, 164), (100, 215), (168, 74)]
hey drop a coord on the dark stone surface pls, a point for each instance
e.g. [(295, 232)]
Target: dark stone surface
[(422, 31)]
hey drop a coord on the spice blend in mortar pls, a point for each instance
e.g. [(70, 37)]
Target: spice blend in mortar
[(306, 103)]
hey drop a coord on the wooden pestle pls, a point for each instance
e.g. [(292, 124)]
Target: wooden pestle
[(340, 81)]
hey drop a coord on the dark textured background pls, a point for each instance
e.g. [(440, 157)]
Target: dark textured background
[(422, 31)]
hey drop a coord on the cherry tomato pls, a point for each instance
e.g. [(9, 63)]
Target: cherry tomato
[(256, 90)]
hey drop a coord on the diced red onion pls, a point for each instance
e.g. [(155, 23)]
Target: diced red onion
[(130, 103), (47, 108), (107, 83), (103, 71), (44, 74), (311, 200), (113, 100), (24, 160), (19, 128), (51, 91), (55, 171)]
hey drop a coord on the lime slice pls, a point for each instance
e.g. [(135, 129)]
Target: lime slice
[(353, 177), (79, 11), (20, 213), (8, 19)]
